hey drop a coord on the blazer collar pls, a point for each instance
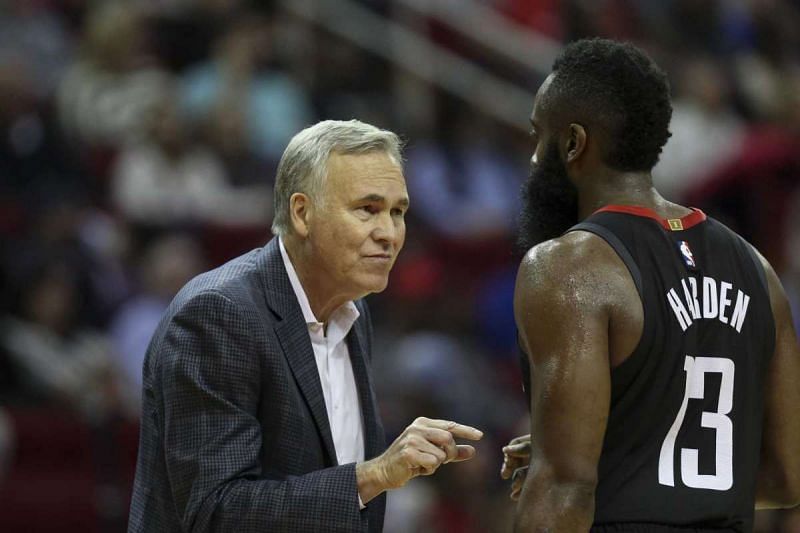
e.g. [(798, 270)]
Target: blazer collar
[(277, 287), (292, 334), (374, 438)]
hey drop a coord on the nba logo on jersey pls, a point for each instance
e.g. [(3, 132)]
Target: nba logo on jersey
[(686, 253)]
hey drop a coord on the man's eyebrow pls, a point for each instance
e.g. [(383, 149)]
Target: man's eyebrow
[(377, 198), (372, 198)]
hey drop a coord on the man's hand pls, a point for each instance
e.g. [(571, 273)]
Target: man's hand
[(418, 451), (516, 457)]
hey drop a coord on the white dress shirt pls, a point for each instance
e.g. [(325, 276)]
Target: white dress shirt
[(335, 370)]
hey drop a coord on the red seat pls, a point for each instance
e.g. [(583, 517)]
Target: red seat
[(66, 476)]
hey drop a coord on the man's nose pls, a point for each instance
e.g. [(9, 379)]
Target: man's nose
[(385, 230)]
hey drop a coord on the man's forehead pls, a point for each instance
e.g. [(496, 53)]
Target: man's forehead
[(366, 161), (390, 186), (361, 175), (539, 98)]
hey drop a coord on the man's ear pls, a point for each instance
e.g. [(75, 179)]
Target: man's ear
[(301, 211), (576, 142)]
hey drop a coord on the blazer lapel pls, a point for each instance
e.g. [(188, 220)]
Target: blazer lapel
[(292, 334), (373, 430)]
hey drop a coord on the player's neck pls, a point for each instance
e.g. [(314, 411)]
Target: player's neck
[(630, 188)]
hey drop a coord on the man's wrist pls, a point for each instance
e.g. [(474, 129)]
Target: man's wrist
[(369, 481)]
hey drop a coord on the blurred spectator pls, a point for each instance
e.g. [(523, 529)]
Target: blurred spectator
[(58, 358), (605, 18), (410, 508), (752, 190), (540, 15), (89, 241), (705, 131), (241, 84), (35, 163), (349, 83), (168, 264), (29, 32), (464, 188), (227, 135), (108, 93), (168, 179)]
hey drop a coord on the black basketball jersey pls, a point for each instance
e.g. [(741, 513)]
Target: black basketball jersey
[(683, 438)]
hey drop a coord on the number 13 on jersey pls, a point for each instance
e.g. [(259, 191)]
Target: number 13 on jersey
[(722, 479)]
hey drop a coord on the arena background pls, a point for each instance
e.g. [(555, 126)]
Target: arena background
[(138, 143)]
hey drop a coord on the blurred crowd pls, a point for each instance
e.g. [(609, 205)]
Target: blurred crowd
[(138, 144)]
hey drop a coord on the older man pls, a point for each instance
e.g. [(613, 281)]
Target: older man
[(259, 413)]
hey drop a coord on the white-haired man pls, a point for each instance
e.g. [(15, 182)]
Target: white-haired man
[(258, 413)]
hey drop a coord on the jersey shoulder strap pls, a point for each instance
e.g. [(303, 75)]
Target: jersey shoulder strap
[(617, 245)]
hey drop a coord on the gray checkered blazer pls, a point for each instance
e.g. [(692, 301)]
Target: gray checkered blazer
[(235, 436)]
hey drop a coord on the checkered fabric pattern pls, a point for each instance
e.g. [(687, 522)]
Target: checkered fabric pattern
[(234, 435)]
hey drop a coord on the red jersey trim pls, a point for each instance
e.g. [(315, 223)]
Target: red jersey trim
[(672, 224)]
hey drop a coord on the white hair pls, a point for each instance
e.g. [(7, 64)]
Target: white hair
[(304, 163)]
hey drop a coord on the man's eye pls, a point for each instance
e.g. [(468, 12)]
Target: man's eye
[(368, 209), (398, 212)]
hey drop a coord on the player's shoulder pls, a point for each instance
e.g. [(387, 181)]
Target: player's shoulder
[(576, 255), (577, 273), (775, 290)]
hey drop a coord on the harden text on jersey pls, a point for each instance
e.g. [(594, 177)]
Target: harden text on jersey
[(708, 298)]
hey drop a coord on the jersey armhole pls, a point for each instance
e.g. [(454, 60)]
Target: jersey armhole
[(762, 274), (617, 245), (623, 373)]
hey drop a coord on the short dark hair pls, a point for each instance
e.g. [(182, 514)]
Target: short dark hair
[(624, 90)]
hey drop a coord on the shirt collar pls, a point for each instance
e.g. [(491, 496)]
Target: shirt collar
[(342, 319)]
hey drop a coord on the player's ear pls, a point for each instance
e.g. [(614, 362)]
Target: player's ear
[(576, 142)]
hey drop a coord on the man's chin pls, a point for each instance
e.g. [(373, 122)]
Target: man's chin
[(370, 283), (379, 285)]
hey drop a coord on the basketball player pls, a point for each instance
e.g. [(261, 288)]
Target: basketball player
[(664, 376)]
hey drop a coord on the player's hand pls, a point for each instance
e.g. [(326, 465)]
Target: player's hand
[(420, 450), (516, 457)]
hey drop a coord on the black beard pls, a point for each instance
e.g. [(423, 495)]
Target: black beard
[(549, 202)]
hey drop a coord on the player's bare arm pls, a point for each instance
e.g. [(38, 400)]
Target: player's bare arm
[(577, 310), (779, 468)]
